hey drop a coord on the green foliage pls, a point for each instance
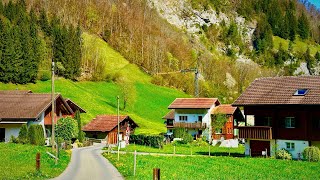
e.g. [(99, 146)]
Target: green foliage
[(303, 26), (310, 61), (13, 139), (14, 155), (283, 154), (36, 135), (66, 128), (152, 141), (311, 153), (23, 134), (80, 133), (262, 36), (183, 134), (218, 121), (199, 142)]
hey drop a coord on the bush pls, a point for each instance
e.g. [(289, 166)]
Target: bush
[(23, 135), (45, 76), (36, 135), (153, 141), (283, 154), (311, 154), (182, 133), (13, 139), (67, 128), (199, 142)]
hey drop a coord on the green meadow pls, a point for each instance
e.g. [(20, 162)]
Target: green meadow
[(18, 162)]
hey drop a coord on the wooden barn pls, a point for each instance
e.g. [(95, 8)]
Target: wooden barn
[(106, 127)]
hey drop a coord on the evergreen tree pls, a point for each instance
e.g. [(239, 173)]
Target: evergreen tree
[(317, 57), (281, 56), (262, 36), (303, 26), (78, 119), (44, 23), (310, 61), (292, 20)]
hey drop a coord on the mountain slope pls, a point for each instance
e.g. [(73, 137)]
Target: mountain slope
[(147, 108)]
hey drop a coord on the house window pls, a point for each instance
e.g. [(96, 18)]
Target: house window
[(301, 92), (200, 118), (183, 118), (290, 122), (289, 146), (267, 121)]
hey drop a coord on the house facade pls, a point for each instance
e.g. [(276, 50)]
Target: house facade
[(106, 127), (196, 116), (286, 115), (25, 107)]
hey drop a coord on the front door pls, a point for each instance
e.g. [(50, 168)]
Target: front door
[(2, 134), (258, 146)]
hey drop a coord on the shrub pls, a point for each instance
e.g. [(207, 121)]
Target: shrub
[(283, 154), (45, 76), (311, 154), (13, 139), (182, 133), (67, 128), (36, 135), (153, 141), (23, 135), (199, 142)]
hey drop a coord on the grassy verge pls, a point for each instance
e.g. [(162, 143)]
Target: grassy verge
[(187, 150), (174, 167), (18, 162)]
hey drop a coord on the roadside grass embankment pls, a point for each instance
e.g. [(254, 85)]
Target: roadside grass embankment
[(214, 167), (19, 162)]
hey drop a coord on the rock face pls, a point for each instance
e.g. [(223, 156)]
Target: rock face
[(182, 15)]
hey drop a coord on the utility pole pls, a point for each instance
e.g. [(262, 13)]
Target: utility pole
[(118, 129), (52, 112)]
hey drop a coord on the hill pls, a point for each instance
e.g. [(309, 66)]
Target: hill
[(147, 108)]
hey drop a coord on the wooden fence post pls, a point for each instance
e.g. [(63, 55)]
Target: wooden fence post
[(134, 162), (209, 149), (250, 152), (38, 162), (266, 152), (156, 174), (174, 150)]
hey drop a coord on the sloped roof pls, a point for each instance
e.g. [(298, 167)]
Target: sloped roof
[(224, 109), (104, 123), (281, 90), (169, 115), (74, 106), (193, 103), (24, 104)]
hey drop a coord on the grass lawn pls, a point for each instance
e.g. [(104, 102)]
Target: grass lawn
[(214, 167), (187, 149), (18, 162)]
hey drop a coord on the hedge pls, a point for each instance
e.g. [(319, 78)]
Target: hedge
[(147, 140), (36, 135)]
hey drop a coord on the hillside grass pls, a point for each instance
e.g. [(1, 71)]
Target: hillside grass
[(298, 45), (219, 167), (147, 108), (18, 162)]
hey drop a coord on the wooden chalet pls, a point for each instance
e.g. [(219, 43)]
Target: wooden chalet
[(286, 114), (106, 127)]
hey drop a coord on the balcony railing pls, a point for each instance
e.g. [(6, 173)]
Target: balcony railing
[(198, 125), (255, 132)]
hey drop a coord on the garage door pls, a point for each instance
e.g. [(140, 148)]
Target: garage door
[(258, 146)]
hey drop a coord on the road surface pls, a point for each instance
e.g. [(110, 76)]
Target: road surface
[(88, 163)]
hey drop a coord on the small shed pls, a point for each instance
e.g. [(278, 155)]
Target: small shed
[(106, 127)]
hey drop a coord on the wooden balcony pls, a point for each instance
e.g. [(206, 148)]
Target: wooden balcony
[(198, 125), (255, 132)]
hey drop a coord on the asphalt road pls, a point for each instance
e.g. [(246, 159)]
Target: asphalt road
[(88, 163)]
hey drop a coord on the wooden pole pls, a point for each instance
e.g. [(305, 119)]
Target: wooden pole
[(250, 152), (134, 162), (53, 115), (266, 152), (38, 162), (209, 149), (156, 174), (118, 137), (174, 150)]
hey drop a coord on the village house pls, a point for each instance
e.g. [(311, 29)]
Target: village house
[(106, 127), (286, 115), (196, 116), (24, 107)]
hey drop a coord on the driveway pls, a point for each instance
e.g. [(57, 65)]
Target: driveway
[(88, 163)]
